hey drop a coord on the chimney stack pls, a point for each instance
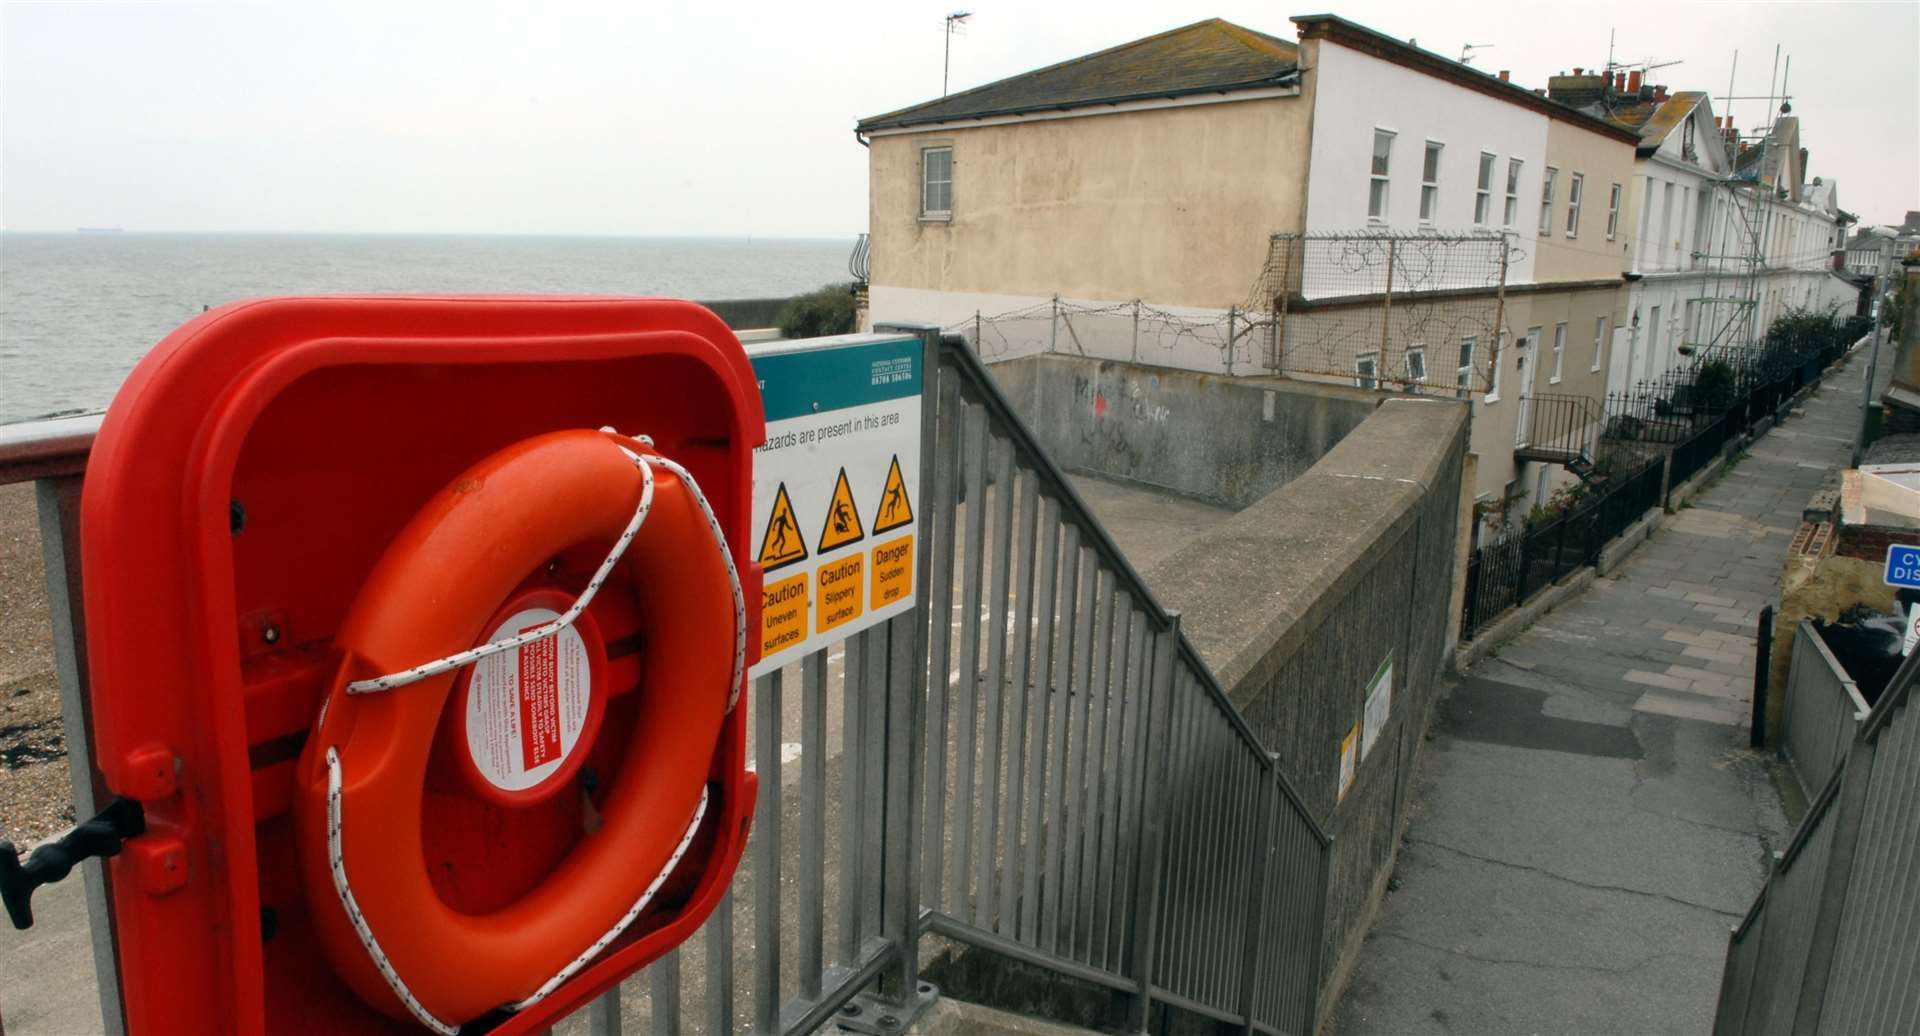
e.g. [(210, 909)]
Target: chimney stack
[(1577, 70), (1619, 82), (1505, 75), (1539, 91), (1633, 81)]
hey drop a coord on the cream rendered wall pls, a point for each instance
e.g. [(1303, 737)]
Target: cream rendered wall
[(1603, 161), (1172, 205), (1353, 93)]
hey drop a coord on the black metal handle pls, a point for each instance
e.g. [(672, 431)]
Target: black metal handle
[(101, 836)]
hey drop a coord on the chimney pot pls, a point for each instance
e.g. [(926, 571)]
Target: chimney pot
[(1659, 93), (1577, 70), (1633, 81), (1505, 75)]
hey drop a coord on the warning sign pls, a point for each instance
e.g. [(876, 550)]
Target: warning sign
[(783, 614), (894, 509), (782, 544), (840, 583), (892, 571), (841, 462), (843, 518)]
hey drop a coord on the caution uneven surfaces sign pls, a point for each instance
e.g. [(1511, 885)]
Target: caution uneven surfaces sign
[(834, 512), (782, 544)]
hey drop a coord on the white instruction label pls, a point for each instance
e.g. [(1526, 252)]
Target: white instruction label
[(526, 708)]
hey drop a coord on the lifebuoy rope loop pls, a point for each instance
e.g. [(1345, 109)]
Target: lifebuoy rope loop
[(552, 628), (337, 864)]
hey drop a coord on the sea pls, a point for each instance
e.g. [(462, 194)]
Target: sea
[(78, 310)]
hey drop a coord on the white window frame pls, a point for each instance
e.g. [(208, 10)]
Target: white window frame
[(1559, 352), (1381, 181), (1613, 210), (1599, 340), (1366, 371), (1511, 211), (1483, 191), (1463, 376), (1546, 200), (1416, 355), (931, 214), (1576, 184), (1430, 188)]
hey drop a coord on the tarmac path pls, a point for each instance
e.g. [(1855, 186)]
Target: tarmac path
[(1591, 821)]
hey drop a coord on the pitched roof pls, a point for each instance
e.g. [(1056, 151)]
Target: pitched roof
[(1379, 45), (1213, 56), (1654, 120)]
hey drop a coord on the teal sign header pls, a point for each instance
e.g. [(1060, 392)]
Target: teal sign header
[(810, 381)]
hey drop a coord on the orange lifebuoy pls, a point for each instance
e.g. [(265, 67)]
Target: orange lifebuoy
[(455, 577)]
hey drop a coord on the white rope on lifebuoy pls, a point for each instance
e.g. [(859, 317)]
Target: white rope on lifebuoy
[(686, 840), (553, 627), (336, 856), (337, 863)]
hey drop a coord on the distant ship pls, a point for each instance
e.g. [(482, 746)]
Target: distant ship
[(100, 230)]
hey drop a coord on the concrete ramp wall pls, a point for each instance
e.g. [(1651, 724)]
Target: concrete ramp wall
[(1298, 602), (1227, 441)]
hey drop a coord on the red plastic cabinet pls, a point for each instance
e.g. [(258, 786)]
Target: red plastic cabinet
[(246, 479)]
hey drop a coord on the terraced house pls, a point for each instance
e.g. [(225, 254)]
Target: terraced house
[(1340, 206)]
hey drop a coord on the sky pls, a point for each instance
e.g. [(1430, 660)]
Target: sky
[(731, 119)]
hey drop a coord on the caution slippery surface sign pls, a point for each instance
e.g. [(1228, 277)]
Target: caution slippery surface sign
[(834, 489)]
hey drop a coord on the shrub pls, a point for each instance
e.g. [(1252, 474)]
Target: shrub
[(1713, 384), (827, 311)]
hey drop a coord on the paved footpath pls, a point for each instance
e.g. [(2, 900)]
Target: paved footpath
[(1590, 820)]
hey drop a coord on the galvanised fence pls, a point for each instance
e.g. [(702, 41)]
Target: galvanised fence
[(1035, 764), (1693, 415), (1824, 710), (1832, 942)]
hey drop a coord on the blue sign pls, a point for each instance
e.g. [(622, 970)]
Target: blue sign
[(1903, 566)]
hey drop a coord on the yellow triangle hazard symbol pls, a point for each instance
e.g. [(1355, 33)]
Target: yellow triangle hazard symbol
[(783, 544), (843, 518), (895, 509)]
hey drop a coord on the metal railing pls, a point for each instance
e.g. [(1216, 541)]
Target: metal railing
[(1824, 709), (1832, 942), (1035, 763), (1561, 428), (1505, 573), (1095, 805)]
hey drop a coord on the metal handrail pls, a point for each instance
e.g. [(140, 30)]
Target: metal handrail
[(1075, 508), (46, 448)]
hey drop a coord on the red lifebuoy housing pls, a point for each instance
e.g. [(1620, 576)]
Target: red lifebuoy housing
[(468, 569)]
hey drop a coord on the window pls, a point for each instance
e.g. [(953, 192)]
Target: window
[(936, 183), (1613, 210), (1417, 363), (1377, 187), (1493, 366), (1546, 201), (1573, 205), (1513, 192), (1366, 370), (1430, 182), (1463, 383), (1483, 194), (1599, 339), (1559, 351)]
